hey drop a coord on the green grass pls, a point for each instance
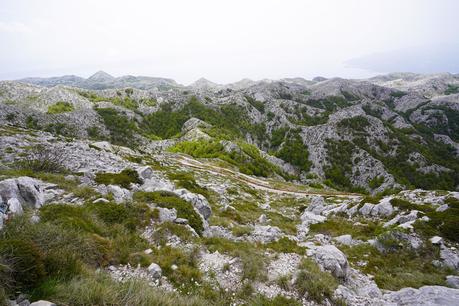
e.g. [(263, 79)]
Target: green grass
[(337, 226), (253, 262), (444, 224), (60, 107), (100, 289), (317, 284), (295, 152), (285, 245), (399, 268), (122, 129), (248, 160), (187, 272), (124, 179), (187, 180), (170, 200), (452, 89)]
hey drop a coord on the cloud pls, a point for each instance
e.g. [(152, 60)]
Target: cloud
[(14, 27)]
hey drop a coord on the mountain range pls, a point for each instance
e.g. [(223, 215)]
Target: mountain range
[(142, 191)]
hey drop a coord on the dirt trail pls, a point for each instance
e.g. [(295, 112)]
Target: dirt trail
[(253, 181)]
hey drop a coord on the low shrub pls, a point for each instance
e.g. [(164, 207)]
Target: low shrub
[(170, 200), (43, 159), (253, 262), (101, 289), (337, 226), (186, 180), (279, 300), (25, 262), (315, 283), (124, 179), (295, 152), (187, 272), (60, 107), (285, 245), (122, 129), (400, 267)]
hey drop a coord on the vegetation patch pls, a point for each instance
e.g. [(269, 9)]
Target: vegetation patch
[(122, 129), (60, 107), (315, 283), (452, 89), (295, 152), (170, 200), (186, 180), (248, 159), (285, 245), (399, 268), (124, 179), (253, 262), (260, 106), (444, 224), (337, 226)]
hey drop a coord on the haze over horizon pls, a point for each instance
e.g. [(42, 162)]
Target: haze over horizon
[(227, 41)]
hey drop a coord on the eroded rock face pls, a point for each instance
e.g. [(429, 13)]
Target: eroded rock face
[(427, 295), (265, 233), (193, 123), (449, 257), (198, 201), (382, 209), (330, 258), (453, 281), (24, 192), (120, 194)]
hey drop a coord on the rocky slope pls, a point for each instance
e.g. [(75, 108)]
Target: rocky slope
[(395, 131), (287, 192)]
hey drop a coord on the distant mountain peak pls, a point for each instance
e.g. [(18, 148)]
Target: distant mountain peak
[(101, 76), (203, 82)]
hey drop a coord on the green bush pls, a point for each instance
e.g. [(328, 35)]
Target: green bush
[(408, 206), (25, 261), (452, 89), (340, 164), (43, 159), (170, 200), (399, 268), (317, 284), (279, 300), (248, 160), (285, 245), (376, 182), (187, 272), (124, 179), (122, 129), (445, 223), (338, 226), (295, 152), (60, 107), (101, 289), (186, 180), (358, 123), (398, 94), (70, 217), (253, 262), (255, 103)]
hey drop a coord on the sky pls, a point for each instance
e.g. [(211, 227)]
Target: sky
[(225, 41)]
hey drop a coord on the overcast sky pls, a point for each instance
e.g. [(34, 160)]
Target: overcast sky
[(225, 41)]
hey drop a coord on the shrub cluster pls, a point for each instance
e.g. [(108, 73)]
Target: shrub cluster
[(170, 200), (60, 107), (124, 179)]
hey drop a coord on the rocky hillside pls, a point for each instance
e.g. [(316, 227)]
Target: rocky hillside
[(288, 192), (389, 132)]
